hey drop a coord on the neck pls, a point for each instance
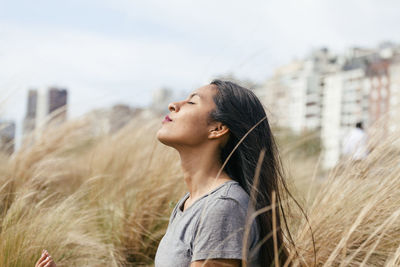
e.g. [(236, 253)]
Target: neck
[(200, 169)]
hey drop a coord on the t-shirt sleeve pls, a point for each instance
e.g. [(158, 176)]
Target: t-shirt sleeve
[(220, 231)]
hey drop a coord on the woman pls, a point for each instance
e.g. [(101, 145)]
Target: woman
[(210, 225)]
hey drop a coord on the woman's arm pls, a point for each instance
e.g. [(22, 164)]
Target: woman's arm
[(216, 263)]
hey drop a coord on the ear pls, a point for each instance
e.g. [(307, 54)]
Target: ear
[(218, 130)]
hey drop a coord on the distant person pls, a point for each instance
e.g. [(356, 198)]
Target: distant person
[(355, 143)]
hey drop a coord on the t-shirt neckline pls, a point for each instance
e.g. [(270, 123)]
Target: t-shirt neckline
[(205, 195)]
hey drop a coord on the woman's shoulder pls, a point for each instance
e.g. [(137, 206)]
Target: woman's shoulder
[(233, 193), (227, 204)]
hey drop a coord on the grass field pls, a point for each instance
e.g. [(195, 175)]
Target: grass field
[(105, 200)]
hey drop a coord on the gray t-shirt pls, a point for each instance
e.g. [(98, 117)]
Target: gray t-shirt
[(211, 228)]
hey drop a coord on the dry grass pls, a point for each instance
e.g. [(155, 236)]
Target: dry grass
[(106, 200), (355, 212)]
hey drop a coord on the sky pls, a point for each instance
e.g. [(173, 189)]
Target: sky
[(120, 51)]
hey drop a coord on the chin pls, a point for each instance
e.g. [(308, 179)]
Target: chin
[(163, 138)]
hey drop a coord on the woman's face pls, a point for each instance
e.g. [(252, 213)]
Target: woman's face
[(187, 123)]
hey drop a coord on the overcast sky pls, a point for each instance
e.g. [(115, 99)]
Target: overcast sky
[(119, 51)]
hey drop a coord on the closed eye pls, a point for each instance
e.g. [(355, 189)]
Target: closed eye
[(192, 103)]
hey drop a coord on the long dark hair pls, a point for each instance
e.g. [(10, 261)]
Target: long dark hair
[(240, 110)]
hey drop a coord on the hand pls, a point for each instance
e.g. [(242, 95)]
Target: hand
[(45, 260)]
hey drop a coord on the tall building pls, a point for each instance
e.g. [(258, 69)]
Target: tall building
[(45, 107), (7, 136), (330, 124), (30, 117), (394, 102), (57, 104), (379, 94), (343, 106), (293, 95), (278, 95)]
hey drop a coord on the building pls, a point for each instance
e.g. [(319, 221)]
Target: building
[(331, 119), (293, 95), (30, 117), (45, 107), (57, 103), (7, 137), (343, 106), (377, 81), (277, 95), (394, 102)]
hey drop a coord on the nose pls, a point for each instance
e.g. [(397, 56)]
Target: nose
[(172, 106)]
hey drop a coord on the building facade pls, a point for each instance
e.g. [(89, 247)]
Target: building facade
[(30, 117), (294, 94), (394, 101)]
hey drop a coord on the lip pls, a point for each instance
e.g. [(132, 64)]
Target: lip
[(167, 119)]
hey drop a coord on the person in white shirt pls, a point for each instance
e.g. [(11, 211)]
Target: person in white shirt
[(355, 143)]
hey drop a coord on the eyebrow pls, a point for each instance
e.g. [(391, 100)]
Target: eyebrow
[(194, 94)]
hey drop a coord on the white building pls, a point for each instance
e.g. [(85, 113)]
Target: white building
[(293, 96), (394, 102), (344, 104), (285, 96), (42, 107), (330, 124)]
